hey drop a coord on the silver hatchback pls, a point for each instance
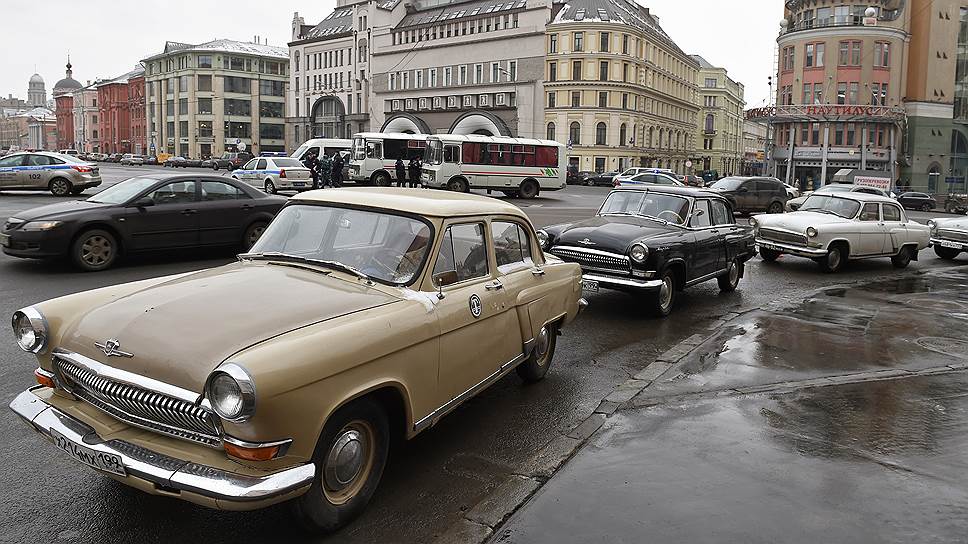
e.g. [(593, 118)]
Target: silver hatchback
[(62, 175)]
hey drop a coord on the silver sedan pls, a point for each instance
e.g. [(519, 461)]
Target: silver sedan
[(62, 175)]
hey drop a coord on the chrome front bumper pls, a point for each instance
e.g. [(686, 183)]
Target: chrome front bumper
[(935, 241), (622, 283), (171, 475), (800, 251)]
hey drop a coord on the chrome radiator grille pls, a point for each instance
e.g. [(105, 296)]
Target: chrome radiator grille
[(140, 407), (956, 235), (593, 259), (783, 236)]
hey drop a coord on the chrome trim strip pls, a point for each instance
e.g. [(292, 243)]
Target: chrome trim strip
[(625, 282), (800, 251), (430, 418), (129, 378), (706, 277), (160, 469), (593, 251)]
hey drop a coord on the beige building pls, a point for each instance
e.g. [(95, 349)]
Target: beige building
[(87, 131), (720, 121), (618, 90), (204, 99), (754, 147)]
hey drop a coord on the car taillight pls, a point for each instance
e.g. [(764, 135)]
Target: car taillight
[(616, 183), (282, 173), (83, 169)]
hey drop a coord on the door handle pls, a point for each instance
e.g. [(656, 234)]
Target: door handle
[(538, 271), (189, 212), (246, 207), (494, 286)]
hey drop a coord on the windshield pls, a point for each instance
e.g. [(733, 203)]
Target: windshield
[(434, 154), (844, 207), (123, 192), (299, 152), (630, 172), (385, 247), (728, 184), (287, 163), (359, 149), (671, 208)]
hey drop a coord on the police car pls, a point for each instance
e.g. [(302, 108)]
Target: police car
[(275, 173), (60, 174)]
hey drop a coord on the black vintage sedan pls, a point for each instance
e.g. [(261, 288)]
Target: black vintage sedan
[(142, 214), (656, 241)]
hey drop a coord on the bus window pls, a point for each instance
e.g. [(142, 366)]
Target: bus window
[(374, 150), (471, 153), (451, 153), (394, 149), (415, 149), (546, 156)]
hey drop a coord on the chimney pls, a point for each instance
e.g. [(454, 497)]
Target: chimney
[(410, 7)]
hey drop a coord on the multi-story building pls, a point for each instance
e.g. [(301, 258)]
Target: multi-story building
[(138, 131), (720, 126), (64, 108), (87, 130), (115, 113), (217, 96), (754, 148), (617, 88), (329, 78), (36, 92), (464, 67)]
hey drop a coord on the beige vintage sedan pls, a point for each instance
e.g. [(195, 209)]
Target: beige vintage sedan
[(361, 315)]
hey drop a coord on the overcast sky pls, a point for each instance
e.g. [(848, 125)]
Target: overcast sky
[(106, 38)]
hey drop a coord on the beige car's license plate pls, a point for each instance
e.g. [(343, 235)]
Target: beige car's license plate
[(107, 462)]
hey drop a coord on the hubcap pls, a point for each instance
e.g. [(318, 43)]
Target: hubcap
[(60, 187), (833, 258), (733, 273), (270, 188), (348, 462), (96, 250), (255, 234), (542, 342), (665, 292)]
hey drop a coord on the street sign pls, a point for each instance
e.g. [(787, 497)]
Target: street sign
[(954, 180), (241, 146), (688, 164)]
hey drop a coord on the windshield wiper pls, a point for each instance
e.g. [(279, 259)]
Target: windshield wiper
[(286, 257)]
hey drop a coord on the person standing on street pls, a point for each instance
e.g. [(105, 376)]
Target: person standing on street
[(312, 163), (401, 173), (325, 171), (414, 168), (337, 170)]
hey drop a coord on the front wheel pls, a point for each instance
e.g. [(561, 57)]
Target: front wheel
[(661, 301), (946, 253), (529, 189), (834, 260), (458, 185), (536, 367), (349, 457), (215, 166), (270, 187), (769, 255), (950, 207), (903, 258), (94, 250), (590, 183), (381, 179), (927, 207), (729, 281)]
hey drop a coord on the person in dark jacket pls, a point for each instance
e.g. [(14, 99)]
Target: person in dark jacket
[(401, 173), (337, 170), (312, 163), (414, 168), (325, 171)]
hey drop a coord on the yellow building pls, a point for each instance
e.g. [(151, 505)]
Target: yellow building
[(720, 121), (618, 90)]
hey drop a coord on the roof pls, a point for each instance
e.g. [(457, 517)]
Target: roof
[(339, 21), (703, 63), (139, 70), (225, 46), (492, 139), (858, 196), (627, 12), (459, 10), (419, 202), (36, 79)]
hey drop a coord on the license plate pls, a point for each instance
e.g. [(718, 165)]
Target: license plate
[(946, 243), (298, 184), (589, 285), (5, 240), (107, 462), (767, 246)]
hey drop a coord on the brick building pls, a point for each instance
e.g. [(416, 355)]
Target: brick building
[(136, 105), (115, 110), (64, 108)]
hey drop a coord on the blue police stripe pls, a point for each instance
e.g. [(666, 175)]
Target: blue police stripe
[(45, 167)]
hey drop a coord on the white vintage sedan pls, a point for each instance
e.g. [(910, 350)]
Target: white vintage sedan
[(834, 227), (949, 236)]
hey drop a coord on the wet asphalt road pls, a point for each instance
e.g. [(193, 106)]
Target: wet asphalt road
[(430, 480)]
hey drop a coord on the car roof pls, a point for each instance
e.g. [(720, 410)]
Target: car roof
[(862, 197), (695, 192), (428, 202)]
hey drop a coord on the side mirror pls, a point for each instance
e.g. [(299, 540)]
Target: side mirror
[(143, 202), (445, 278), (742, 190), (698, 213)]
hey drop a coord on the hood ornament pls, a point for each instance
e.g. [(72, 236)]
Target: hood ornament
[(111, 348), (586, 242)]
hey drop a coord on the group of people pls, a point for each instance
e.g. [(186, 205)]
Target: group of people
[(413, 168), (326, 171)]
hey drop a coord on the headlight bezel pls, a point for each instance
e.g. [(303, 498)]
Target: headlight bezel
[(811, 232), (38, 325), (544, 239), (246, 388), (753, 222), (644, 252), (40, 226), (932, 225)]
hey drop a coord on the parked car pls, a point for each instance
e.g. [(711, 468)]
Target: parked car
[(656, 240), (691, 180), (753, 194), (912, 200), (230, 160), (607, 179), (576, 177), (647, 179), (132, 160), (62, 175), (956, 203), (206, 163), (178, 162), (831, 228), (949, 236), (114, 157), (629, 173), (275, 173), (792, 192), (795, 203), (142, 214), (244, 416), (151, 160)]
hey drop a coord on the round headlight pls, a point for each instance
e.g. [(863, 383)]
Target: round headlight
[(30, 329), (543, 239), (232, 393), (811, 232), (932, 224), (753, 222), (638, 252)]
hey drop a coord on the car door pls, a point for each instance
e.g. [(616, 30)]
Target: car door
[(245, 172), (872, 232), (746, 195), (519, 273), (259, 173), (36, 173), (895, 228), (171, 221), (9, 170), (709, 255), (222, 212), (735, 239), (475, 315)]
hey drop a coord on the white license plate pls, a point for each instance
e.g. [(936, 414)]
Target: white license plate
[(946, 243), (298, 184), (768, 246), (107, 462), (589, 285), (5, 240)]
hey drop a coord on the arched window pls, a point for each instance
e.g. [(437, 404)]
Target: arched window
[(550, 135), (678, 135), (600, 133), (710, 122), (574, 133), (622, 135), (651, 137)]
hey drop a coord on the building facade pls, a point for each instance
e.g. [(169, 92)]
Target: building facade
[(720, 127), (115, 112), (138, 131), (754, 148), (64, 108), (329, 82), (36, 92), (87, 131), (617, 89), (202, 100)]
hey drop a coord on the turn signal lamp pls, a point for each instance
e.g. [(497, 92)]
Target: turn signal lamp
[(264, 453), (43, 378)]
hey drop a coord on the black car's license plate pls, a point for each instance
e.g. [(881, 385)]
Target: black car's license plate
[(108, 462), (5, 240), (590, 286), (942, 243)]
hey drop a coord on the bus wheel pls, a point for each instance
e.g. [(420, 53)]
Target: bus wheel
[(381, 179), (529, 188), (458, 185)]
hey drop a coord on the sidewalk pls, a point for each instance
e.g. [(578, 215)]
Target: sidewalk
[(838, 419)]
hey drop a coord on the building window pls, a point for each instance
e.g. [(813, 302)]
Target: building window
[(478, 74), (602, 99), (579, 41), (462, 75), (838, 134), (710, 83), (575, 99), (850, 53), (576, 70), (393, 82), (512, 70), (879, 94), (433, 77), (553, 43), (882, 54), (550, 133), (552, 97), (603, 71), (813, 56), (787, 58), (182, 106), (495, 72), (851, 134), (622, 134), (600, 133), (574, 133), (625, 44), (625, 101), (603, 42), (204, 129), (625, 71), (854, 96), (553, 71), (710, 123), (448, 76), (205, 61)]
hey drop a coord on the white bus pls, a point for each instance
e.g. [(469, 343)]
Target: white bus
[(322, 146), (375, 155), (515, 166)]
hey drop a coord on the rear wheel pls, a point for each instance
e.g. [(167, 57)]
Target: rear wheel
[(946, 253), (903, 257), (834, 260), (536, 367), (252, 234), (769, 255), (590, 183), (950, 207), (529, 188), (270, 187), (215, 166), (349, 457), (729, 281), (926, 207), (458, 185), (775, 207), (60, 187), (94, 250), (661, 301)]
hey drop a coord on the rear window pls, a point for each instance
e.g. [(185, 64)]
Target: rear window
[(728, 184), (287, 163)]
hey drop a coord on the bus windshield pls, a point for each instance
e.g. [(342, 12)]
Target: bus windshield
[(359, 149), (434, 153)]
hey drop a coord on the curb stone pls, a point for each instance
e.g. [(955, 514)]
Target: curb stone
[(504, 500)]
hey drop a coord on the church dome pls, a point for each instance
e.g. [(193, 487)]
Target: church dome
[(67, 84), (36, 78)]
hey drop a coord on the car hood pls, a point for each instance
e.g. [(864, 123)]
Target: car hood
[(799, 221), (960, 223), (181, 329), (55, 211), (610, 233)]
